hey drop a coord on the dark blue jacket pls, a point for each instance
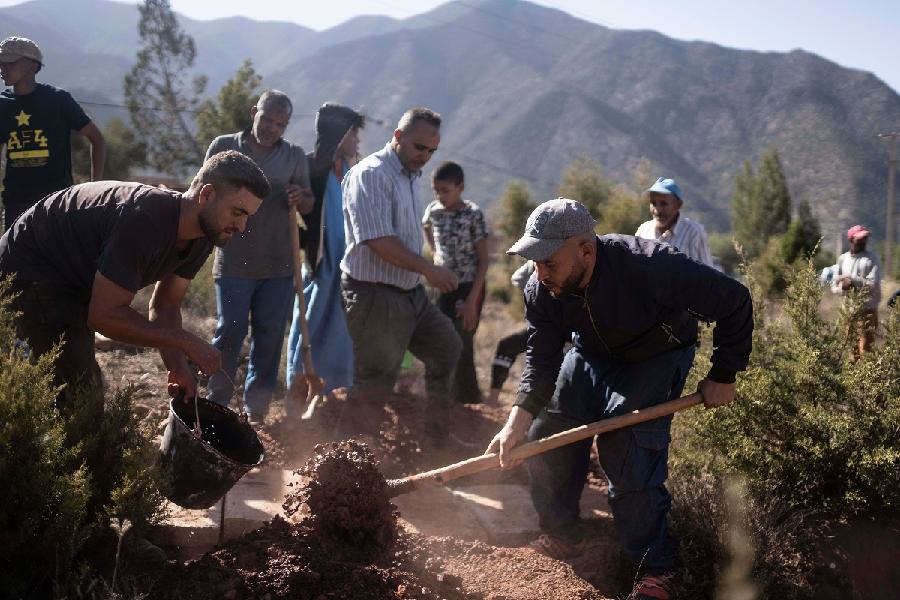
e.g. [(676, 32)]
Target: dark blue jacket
[(644, 298)]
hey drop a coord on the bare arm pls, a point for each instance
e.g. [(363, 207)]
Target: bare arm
[(469, 310), (110, 313), (98, 150), (481, 251), (429, 237), (165, 310)]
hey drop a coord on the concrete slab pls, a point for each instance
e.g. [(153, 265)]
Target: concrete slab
[(256, 498), (501, 514), (506, 513), (439, 511)]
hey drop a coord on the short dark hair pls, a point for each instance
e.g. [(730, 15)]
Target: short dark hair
[(449, 171), (234, 170), (417, 114), (277, 100)]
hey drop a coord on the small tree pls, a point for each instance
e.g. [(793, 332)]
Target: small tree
[(773, 194), (512, 212), (231, 110), (159, 96), (583, 180), (124, 153), (802, 235), (626, 208), (760, 204)]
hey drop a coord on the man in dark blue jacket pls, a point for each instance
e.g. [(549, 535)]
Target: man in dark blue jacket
[(630, 306)]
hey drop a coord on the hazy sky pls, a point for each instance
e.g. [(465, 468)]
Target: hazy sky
[(863, 34)]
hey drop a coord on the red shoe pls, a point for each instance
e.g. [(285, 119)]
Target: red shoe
[(554, 547), (654, 587)]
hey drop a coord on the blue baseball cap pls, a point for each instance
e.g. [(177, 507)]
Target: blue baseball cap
[(665, 186), (550, 225)]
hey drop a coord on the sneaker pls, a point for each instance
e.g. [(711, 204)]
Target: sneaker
[(654, 587), (554, 547)]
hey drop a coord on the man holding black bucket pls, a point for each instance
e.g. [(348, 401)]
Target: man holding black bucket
[(80, 255)]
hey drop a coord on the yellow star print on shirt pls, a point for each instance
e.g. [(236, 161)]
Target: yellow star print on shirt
[(22, 118)]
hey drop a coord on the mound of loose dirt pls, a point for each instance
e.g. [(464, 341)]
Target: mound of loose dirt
[(348, 546), (349, 510)]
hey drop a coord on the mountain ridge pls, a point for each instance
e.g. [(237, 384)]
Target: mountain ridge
[(526, 89)]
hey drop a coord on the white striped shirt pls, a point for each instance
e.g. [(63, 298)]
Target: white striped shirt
[(381, 199), (684, 235)]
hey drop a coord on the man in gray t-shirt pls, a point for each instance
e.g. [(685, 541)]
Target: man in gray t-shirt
[(253, 275)]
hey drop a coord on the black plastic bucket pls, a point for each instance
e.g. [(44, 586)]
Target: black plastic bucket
[(202, 470)]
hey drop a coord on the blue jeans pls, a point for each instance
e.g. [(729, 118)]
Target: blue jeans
[(634, 459), (264, 305)]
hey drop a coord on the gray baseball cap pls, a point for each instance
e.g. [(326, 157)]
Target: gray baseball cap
[(550, 225), (14, 48)]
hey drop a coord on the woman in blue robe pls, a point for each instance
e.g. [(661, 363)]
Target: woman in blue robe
[(323, 242)]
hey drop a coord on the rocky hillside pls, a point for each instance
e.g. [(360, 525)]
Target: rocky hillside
[(526, 89)]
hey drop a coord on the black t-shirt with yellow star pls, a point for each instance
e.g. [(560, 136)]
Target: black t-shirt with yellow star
[(36, 130)]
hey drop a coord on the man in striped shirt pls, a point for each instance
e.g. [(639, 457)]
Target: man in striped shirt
[(670, 226), (387, 308)]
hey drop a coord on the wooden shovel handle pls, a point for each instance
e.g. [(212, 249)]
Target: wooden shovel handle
[(301, 299), (491, 461)]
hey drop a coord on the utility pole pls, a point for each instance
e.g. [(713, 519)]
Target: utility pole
[(889, 226)]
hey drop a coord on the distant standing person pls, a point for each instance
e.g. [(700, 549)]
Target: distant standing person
[(860, 269), (511, 346), (670, 226), (36, 121), (254, 273), (79, 256), (337, 145), (387, 308), (457, 234)]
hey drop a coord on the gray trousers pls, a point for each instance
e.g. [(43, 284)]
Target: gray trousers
[(385, 321)]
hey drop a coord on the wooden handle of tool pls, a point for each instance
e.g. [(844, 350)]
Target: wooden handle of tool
[(298, 287), (491, 461)]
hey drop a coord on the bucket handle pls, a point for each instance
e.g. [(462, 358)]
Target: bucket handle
[(197, 430)]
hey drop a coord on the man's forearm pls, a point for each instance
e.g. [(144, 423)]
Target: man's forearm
[(168, 317), (125, 324), (478, 284), (391, 249), (98, 160)]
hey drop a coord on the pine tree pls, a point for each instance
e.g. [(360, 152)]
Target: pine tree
[(802, 235), (773, 193), (743, 211), (158, 93), (760, 204), (231, 110)]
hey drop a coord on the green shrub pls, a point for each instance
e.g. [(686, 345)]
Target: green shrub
[(812, 427), (64, 476), (813, 433)]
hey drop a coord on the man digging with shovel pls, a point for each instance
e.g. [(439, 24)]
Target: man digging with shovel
[(633, 306)]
